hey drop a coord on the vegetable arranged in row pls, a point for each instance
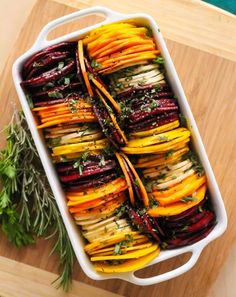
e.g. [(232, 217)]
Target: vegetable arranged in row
[(121, 151)]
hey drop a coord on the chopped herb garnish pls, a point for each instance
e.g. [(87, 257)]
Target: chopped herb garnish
[(60, 65), (153, 104), (164, 245), (79, 165), (30, 100), (159, 60), (136, 182), (163, 138), (90, 76), (102, 161), (200, 208), (95, 64), (185, 228), (183, 121), (169, 153), (149, 32), (187, 199), (66, 81), (153, 203), (72, 104), (55, 94)]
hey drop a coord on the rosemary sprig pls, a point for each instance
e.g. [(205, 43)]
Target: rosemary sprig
[(27, 206)]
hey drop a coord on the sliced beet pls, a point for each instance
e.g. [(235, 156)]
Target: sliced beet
[(91, 182), (153, 122), (88, 171), (63, 46), (187, 213), (93, 72), (149, 227), (135, 218), (179, 242), (190, 220), (102, 117), (141, 115), (45, 93), (197, 226), (48, 60), (49, 76)]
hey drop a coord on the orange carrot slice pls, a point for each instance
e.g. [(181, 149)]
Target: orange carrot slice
[(83, 69), (141, 186), (107, 94), (130, 189)]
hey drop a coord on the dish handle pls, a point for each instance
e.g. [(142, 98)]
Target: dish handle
[(109, 14), (167, 275)]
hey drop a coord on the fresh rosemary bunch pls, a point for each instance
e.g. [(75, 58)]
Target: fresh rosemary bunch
[(27, 206)]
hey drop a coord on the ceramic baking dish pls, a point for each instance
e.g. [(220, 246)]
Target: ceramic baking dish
[(73, 231)]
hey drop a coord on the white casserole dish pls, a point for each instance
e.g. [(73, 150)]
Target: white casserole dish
[(72, 229)]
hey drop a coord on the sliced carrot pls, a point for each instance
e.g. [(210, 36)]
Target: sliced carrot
[(141, 186), (114, 35), (94, 190), (129, 184), (178, 207), (94, 34), (127, 63), (118, 45), (125, 57), (107, 94), (97, 203), (68, 115), (187, 190), (104, 209), (129, 265), (158, 148), (83, 69), (131, 50), (109, 188), (73, 119)]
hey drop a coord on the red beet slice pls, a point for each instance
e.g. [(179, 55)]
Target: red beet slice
[(179, 242), (49, 76)]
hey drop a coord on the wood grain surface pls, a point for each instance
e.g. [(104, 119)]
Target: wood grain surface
[(38, 283), (210, 85)]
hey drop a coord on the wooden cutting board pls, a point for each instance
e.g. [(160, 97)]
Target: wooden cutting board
[(210, 84)]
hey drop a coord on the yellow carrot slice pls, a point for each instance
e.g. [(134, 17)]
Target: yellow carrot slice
[(129, 255), (157, 130), (79, 147), (158, 138), (186, 191), (179, 207), (129, 265), (73, 119)]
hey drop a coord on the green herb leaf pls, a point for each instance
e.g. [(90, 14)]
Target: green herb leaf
[(60, 65), (159, 60), (187, 199), (183, 121), (55, 94), (95, 64), (66, 81)]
